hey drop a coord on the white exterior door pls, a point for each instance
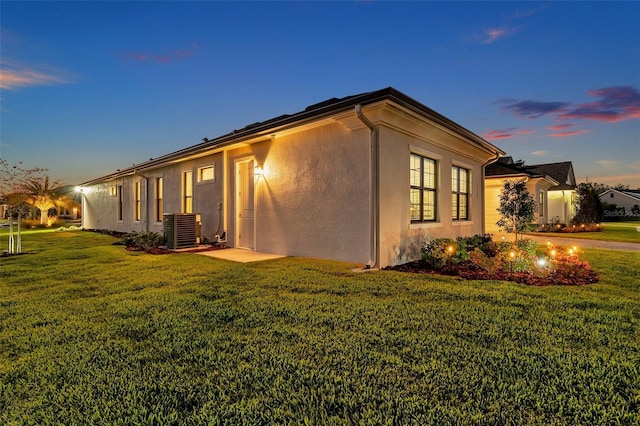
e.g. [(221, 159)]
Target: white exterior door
[(245, 222)]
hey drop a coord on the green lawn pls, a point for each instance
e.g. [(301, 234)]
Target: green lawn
[(93, 334), (624, 232)]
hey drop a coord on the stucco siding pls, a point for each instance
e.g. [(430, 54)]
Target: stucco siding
[(401, 240), (313, 197), (101, 204)]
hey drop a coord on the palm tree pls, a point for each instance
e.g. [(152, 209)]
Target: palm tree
[(44, 196)]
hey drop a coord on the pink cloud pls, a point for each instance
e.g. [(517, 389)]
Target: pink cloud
[(614, 104), (559, 127), (494, 34), (505, 133), (14, 75), (568, 134), (164, 58)]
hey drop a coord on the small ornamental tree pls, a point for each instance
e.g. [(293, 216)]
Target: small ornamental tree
[(517, 207), (11, 177)]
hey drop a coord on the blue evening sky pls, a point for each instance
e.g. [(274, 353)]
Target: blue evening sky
[(91, 87)]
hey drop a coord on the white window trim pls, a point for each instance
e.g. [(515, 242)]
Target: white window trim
[(425, 153), (425, 225), (137, 192), (206, 166), (155, 199), (461, 222)]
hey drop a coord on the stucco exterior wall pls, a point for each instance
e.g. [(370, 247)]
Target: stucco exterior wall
[(101, 207), (401, 240), (313, 197)]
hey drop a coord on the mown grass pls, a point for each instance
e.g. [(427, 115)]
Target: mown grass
[(92, 334), (623, 232)]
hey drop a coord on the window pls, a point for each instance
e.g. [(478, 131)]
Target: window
[(112, 191), (136, 203), (459, 193), (159, 195), (206, 173), (423, 188), (187, 191), (119, 202), (541, 203)]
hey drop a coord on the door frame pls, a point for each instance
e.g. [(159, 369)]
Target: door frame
[(238, 202)]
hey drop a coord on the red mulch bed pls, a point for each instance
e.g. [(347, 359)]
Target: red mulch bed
[(470, 271)]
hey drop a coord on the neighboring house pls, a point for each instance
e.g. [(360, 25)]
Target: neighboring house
[(627, 200), (561, 197), (505, 169), (365, 179)]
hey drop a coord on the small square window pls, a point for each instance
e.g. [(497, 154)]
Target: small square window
[(112, 191), (206, 173)]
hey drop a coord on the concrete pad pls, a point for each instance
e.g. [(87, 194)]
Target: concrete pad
[(240, 255)]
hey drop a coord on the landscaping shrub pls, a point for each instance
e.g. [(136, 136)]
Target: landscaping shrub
[(437, 252), (32, 224), (478, 257), (143, 240), (52, 222), (434, 252), (576, 227)]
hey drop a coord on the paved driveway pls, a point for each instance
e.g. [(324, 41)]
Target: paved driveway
[(609, 245)]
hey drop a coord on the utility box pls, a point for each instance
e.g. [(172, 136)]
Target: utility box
[(182, 230)]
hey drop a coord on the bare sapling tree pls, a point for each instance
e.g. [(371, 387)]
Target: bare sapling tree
[(517, 207), (12, 195)]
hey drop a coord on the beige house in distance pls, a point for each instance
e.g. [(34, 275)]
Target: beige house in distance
[(504, 169), (561, 205), (365, 179)]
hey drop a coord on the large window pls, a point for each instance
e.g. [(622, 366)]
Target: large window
[(159, 196), (136, 204), (187, 191), (423, 189), (459, 193), (120, 199)]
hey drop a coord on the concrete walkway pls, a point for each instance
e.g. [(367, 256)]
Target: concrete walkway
[(239, 255), (608, 245)]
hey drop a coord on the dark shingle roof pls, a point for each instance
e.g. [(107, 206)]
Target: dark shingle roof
[(500, 168), (316, 111), (561, 172)]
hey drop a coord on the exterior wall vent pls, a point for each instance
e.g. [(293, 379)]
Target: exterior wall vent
[(182, 230)]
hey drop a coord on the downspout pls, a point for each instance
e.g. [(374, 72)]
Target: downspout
[(482, 200), (374, 189), (146, 199)]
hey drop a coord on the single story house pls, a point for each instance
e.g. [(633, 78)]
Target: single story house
[(505, 169), (561, 205), (365, 178), (627, 203)]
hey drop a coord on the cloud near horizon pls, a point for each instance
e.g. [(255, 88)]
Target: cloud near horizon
[(613, 104), (14, 75), (498, 134), (568, 134), (164, 58)]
